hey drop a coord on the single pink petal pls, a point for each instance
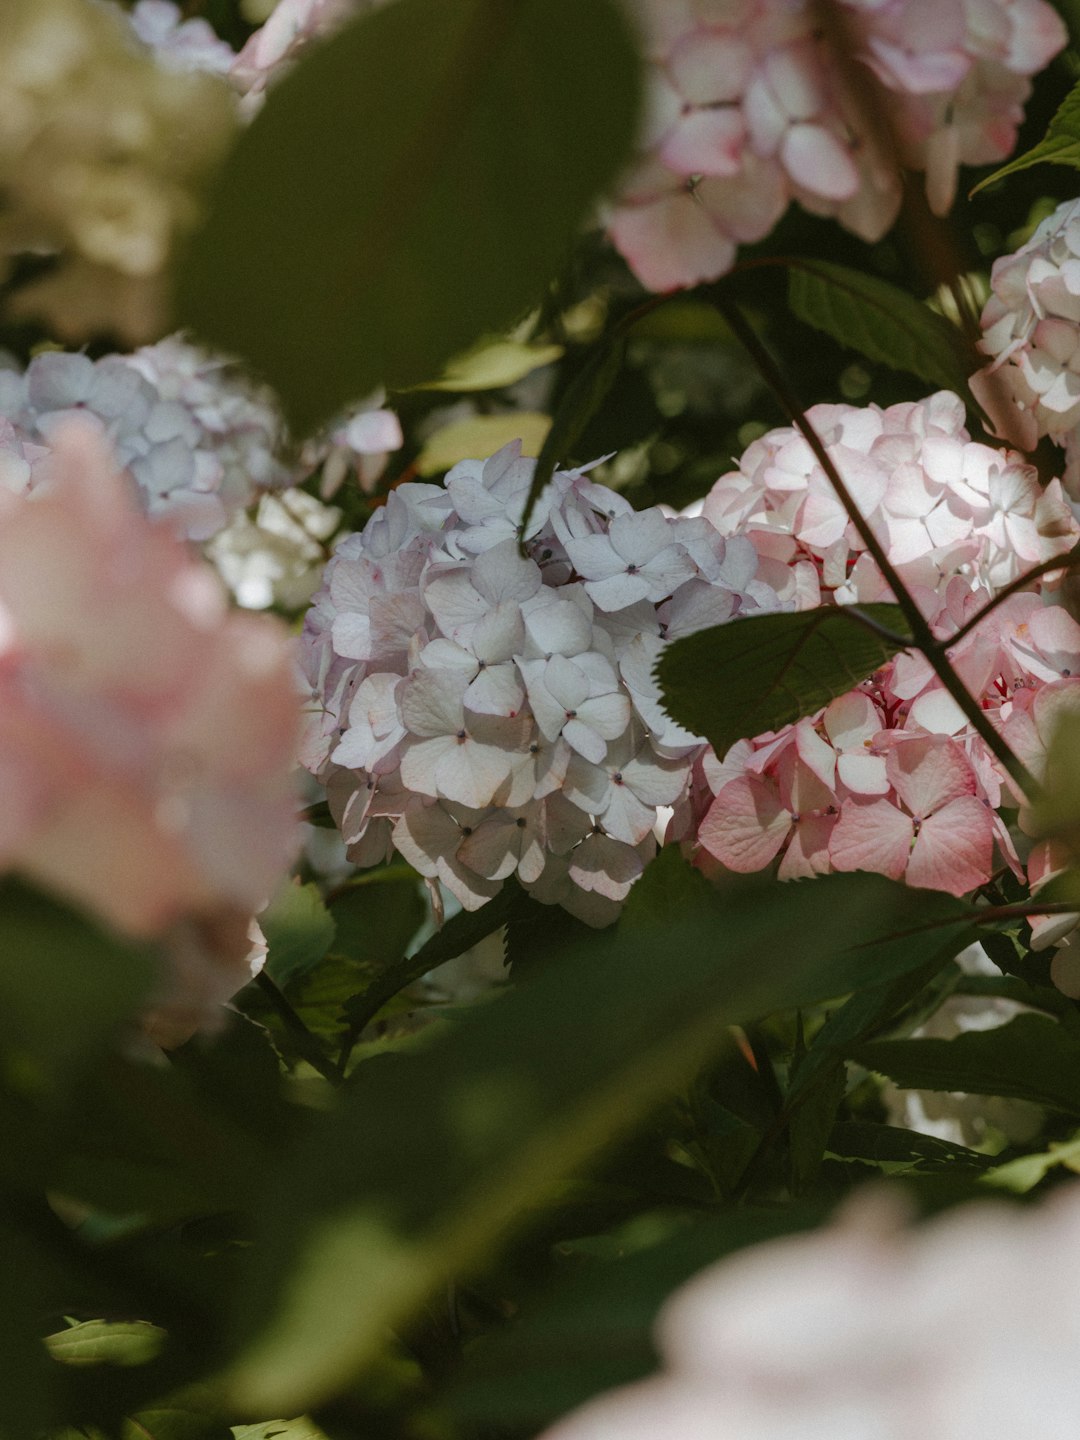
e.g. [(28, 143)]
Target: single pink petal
[(817, 160), (745, 825), (954, 849), (808, 853), (875, 836), (927, 772)]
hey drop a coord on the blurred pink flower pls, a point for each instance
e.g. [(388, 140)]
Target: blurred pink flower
[(146, 733)]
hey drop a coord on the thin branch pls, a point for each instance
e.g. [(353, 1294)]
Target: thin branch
[(923, 637), (1068, 561), (307, 1045), (902, 642)]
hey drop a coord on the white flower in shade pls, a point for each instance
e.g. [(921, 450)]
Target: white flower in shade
[(90, 164), (1031, 331), (961, 1328), (484, 708), (178, 43)]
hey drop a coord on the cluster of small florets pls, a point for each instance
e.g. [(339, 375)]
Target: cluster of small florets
[(197, 440), (891, 777), (103, 155), (750, 109), (1031, 329), (488, 711), (869, 1328)]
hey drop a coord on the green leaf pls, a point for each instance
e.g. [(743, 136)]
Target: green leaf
[(594, 1331), (1030, 1058), (892, 1147), (66, 987), (174, 1422), (492, 365), (886, 324), (105, 1342), (460, 933), (584, 395), (428, 1160), (735, 681), (299, 931), (376, 922), (301, 1429), (478, 436), (412, 184), (1059, 146), (1024, 1173)]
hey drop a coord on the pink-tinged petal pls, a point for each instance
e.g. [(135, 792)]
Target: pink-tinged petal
[(625, 817), (928, 772), (608, 715), (874, 836), (420, 762), (672, 242), (800, 789), (954, 849), (863, 773), (618, 591), (819, 162), (496, 690), (817, 755), (851, 720), (745, 826), (471, 773), (605, 865), (431, 702), (938, 713), (706, 142), (808, 853), (503, 573)]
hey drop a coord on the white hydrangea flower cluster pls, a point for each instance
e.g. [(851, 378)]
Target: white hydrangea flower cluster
[(965, 1328), (749, 109), (488, 712), (197, 440), (103, 153), (1031, 329), (178, 43)]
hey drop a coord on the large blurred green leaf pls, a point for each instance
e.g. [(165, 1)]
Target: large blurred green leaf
[(594, 1331), (1031, 1058), (1059, 146), (737, 680), (66, 986), (299, 931), (413, 184), (430, 1159), (884, 323)]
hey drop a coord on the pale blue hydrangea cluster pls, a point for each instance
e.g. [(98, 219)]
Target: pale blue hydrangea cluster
[(488, 712), (198, 441)]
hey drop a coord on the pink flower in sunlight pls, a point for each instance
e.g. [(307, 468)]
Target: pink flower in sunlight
[(932, 830)]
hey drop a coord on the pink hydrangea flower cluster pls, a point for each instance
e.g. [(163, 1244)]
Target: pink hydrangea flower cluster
[(147, 733), (488, 712), (749, 110), (891, 777), (869, 1330), (1031, 329)]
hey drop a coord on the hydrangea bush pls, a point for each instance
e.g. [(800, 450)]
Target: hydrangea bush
[(644, 826)]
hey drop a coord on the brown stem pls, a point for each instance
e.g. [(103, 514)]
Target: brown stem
[(1067, 561), (923, 637)]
